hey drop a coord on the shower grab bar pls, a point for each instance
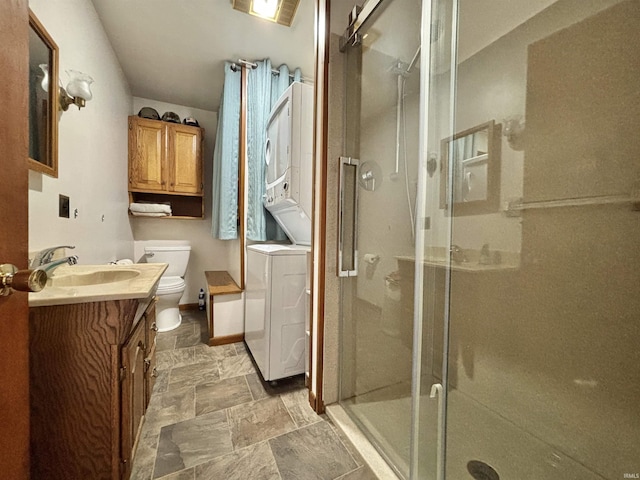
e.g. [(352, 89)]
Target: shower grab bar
[(348, 218), (513, 207), (436, 391)]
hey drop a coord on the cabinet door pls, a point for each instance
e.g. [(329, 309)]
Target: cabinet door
[(147, 160), (185, 159), (133, 392), (150, 359)]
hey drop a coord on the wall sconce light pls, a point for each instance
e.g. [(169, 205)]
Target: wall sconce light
[(78, 90), (514, 131)]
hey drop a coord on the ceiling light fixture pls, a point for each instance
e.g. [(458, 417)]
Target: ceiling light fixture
[(265, 8), (279, 11)]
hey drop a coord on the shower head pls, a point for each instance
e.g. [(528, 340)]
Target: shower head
[(404, 69), (399, 68)]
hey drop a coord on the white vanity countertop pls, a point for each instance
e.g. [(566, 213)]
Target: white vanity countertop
[(97, 283)]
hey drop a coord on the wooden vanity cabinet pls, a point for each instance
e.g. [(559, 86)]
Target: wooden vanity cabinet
[(165, 160), (89, 387)]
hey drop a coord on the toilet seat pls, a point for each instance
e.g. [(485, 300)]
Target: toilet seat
[(170, 285)]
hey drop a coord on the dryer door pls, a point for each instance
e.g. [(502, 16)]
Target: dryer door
[(278, 153)]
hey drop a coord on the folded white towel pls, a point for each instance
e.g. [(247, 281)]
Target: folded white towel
[(150, 208), (150, 214)]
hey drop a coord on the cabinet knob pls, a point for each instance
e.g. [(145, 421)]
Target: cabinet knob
[(154, 327), (154, 372)]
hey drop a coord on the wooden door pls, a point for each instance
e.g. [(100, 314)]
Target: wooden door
[(147, 159), (185, 159), (14, 359)]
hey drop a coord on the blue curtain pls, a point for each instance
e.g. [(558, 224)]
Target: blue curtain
[(264, 88), (225, 159), (258, 107)]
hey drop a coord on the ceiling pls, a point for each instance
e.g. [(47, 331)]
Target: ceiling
[(174, 51)]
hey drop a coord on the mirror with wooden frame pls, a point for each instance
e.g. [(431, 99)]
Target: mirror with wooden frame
[(43, 99), (472, 159)]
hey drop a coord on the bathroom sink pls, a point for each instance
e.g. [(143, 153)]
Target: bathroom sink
[(91, 278), (70, 284)]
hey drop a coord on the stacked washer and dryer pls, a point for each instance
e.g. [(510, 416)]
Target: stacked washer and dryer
[(275, 289)]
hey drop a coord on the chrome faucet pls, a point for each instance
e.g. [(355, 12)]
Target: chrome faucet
[(457, 254), (44, 256), (50, 266)]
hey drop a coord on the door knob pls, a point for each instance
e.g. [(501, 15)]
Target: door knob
[(22, 280)]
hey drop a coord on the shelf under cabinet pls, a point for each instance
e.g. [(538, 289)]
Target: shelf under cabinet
[(182, 206)]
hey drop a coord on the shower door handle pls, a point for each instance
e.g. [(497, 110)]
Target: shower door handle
[(348, 218)]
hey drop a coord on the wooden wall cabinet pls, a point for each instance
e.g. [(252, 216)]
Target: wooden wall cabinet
[(90, 385), (165, 165)]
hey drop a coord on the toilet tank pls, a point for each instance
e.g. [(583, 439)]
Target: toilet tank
[(176, 256)]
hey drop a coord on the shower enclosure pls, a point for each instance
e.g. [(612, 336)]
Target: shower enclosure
[(490, 216)]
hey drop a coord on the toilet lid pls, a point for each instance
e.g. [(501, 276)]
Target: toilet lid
[(170, 283)]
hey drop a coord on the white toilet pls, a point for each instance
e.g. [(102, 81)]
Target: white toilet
[(171, 286)]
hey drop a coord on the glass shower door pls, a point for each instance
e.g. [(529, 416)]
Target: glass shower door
[(533, 120), (380, 182)]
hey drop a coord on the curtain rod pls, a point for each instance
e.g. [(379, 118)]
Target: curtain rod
[(247, 63)]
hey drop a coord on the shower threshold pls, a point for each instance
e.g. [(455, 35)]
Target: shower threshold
[(370, 455)]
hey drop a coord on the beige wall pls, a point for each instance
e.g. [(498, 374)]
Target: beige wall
[(332, 281), (92, 145)]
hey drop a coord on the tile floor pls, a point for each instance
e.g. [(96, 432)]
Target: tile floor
[(212, 417)]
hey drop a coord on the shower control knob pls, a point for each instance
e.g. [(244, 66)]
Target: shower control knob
[(285, 186)]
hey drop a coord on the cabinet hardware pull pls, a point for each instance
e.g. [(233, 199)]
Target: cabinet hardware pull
[(154, 327), (154, 372)]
